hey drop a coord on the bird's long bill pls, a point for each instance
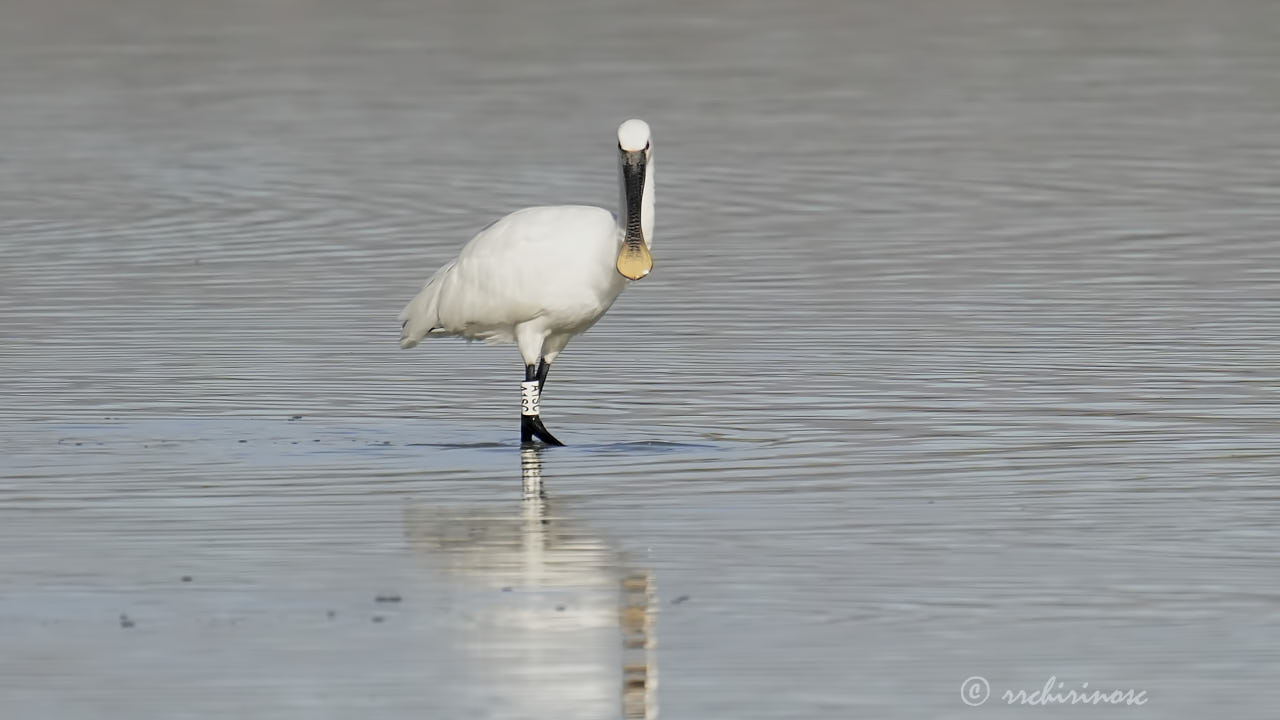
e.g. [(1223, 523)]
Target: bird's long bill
[(634, 261)]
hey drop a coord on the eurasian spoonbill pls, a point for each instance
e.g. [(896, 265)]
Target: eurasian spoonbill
[(542, 275)]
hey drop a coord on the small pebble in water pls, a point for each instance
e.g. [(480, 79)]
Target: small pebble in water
[(378, 618), (186, 578), (331, 614), (559, 608)]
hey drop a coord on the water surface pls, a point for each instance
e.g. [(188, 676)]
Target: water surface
[(958, 359)]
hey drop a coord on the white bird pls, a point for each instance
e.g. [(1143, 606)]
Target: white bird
[(542, 275)]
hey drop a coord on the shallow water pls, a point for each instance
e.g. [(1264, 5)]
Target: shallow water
[(959, 359)]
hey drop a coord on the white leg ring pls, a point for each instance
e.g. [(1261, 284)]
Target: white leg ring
[(529, 396)]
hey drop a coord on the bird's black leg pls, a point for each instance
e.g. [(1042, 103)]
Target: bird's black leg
[(526, 410), (530, 420), (544, 367)]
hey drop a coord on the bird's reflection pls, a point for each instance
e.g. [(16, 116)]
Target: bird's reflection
[(531, 476), (639, 662), (551, 595)]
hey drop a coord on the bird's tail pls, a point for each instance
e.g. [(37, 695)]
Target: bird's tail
[(421, 315)]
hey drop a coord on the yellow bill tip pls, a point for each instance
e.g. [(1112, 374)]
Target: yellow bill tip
[(634, 262)]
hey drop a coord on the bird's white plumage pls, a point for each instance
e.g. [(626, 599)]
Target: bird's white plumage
[(542, 273), (633, 135)]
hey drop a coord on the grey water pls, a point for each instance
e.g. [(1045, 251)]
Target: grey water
[(959, 359)]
